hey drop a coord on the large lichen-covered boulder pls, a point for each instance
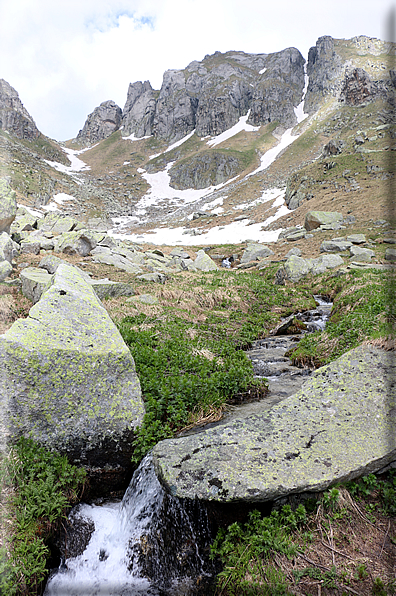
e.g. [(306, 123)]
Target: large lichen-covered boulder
[(315, 219), (8, 206), (255, 252), (203, 262), (337, 427), (68, 380)]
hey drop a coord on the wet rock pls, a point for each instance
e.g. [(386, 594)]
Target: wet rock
[(337, 427)]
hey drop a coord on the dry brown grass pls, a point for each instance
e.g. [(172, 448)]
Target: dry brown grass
[(204, 416), (13, 306), (358, 547)]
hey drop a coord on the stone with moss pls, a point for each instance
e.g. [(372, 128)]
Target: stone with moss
[(35, 282), (337, 427), (8, 206), (68, 380), (5, 270), (315, 219), (203, 262)]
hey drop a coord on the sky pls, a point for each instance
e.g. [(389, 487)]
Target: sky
[(65, 58)]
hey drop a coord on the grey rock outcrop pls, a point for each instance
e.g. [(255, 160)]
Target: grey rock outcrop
[(325, 71), (278, 89), (8, 206), (210, 96), (204, 170), (68, 380), (337, 427), (358, 88), (101, 123), (139, 110), (13, 116)]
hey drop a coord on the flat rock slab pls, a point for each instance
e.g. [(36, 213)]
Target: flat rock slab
[(338, 426), (68, 380)]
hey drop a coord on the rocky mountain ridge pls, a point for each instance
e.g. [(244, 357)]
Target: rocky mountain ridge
[(255, 94)]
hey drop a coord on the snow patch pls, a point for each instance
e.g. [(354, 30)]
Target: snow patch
[(174, 145), (238, 127), (262, 71), (133, 138), (76, 164)]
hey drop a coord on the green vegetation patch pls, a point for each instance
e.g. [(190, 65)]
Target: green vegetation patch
[(189, 355), (38, 489), (362, 311)]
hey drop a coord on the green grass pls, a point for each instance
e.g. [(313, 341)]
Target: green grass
[(362, 311), (41, 487)]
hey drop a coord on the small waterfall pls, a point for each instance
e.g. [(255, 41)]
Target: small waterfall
[(149, 544)]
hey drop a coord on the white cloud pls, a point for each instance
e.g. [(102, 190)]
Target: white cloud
[(64, 58)]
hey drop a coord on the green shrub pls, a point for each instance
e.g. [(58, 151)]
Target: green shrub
[(43, 486)]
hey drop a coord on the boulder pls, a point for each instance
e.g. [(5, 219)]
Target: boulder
[(30, 245), (8, 248), (255, 252), (116, 260), (335, 245), (35, 282), (50, 263), (56, 223), (390, 254), (314, 219), (75, 243), (296, 268), (294, 252), (363, 255), (8, 206), (23, 222), (356, 238), (5, 270), (158, 278), (203, 262), (337, 427), (105, 288), (68, 380), (296, 236)]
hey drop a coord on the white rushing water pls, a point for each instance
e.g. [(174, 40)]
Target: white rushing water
[(104, 568), (150, 533)]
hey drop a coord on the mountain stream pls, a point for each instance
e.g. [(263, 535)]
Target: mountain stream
[(151, 543)]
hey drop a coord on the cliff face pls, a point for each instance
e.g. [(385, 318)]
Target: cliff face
[(210, 96), (344, 70), (104, 120), (13, 116)]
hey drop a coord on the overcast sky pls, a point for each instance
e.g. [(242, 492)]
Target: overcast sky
[(65, 58)]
